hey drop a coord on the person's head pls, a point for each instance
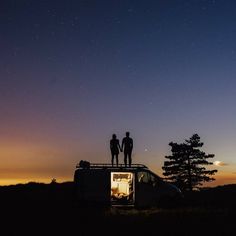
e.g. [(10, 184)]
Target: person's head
[(114, 136), (127, 134)]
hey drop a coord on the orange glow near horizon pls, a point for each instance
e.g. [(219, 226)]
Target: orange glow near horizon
[(32, 162), (20, 178), (7, 182), (28, 162), (222, 179), (40, 175)]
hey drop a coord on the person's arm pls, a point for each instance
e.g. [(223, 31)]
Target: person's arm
[(110, 144), (131, 143), (122, 145)]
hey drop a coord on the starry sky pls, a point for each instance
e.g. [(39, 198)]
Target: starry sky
[(74, 72)]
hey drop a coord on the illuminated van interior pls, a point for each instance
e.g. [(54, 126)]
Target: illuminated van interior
[(122, 188)]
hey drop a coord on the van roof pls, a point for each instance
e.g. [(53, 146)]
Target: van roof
[(109, 166)]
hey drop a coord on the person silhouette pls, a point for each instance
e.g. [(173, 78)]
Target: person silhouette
[(127, 147), (115, 147)]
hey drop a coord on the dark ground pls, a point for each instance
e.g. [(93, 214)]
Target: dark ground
[(51, 209)]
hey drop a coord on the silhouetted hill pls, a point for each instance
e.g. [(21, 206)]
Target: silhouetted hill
[(51, 209), (221, 196), (39, 193), (63, 193)]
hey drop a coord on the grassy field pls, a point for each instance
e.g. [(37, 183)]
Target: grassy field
[(44, 209)]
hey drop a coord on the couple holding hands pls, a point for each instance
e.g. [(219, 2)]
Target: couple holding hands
[(126, 146)]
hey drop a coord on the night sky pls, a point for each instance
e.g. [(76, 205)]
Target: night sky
[(72, 73)]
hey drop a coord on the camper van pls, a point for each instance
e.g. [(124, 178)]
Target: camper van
[(104, 184)]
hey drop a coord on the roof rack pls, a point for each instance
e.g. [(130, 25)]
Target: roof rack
[(120, 166)]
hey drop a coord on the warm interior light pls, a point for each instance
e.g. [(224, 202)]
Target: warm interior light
[(122, 188)]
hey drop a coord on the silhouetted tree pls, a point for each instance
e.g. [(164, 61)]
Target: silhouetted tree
[(53, 181), (185, 167)]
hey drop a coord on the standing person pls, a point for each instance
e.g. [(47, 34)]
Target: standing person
[(115, 147), (127, 147)]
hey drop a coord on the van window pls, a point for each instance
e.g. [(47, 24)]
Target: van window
[(146, 177)]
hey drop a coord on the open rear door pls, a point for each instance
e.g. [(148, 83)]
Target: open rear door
[(122, 188)]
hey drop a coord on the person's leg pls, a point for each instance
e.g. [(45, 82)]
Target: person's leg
[(117, 159), (112, 159), (130, 160), (125, 158)]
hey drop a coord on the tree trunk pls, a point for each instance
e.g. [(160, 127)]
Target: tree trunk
[(189, 175)]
